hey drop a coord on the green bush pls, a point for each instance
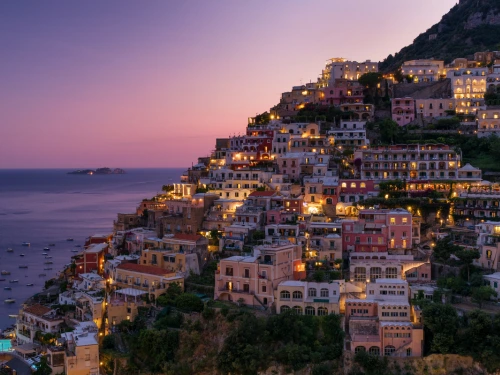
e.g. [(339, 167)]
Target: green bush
[(189, 302)]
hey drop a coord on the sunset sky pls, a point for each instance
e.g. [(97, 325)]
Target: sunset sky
[(93, 83)]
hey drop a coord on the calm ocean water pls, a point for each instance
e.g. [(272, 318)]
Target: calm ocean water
[(49, 206)]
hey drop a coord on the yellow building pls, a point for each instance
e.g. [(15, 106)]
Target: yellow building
[(82, 350)]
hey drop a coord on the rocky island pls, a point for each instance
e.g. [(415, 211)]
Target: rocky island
[(98, 171)]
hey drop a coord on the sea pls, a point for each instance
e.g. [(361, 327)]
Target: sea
[(50, 206)]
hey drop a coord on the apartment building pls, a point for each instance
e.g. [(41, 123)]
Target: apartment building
[(308, 298), (340, 68), (403, 110), (91, 260), (382, 323), (378, 231), (343, 91), (425, 70), (488, 243), (468, 82), (34, 318), (435, 107), (253, 279), (81, 350), (90, 306), (359, 111), (150, 279), (350, 134), (488, 122), (409, 162)]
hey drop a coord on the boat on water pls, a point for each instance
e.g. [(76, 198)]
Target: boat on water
[(47, 269), (21, 255), (10, 250), (42, 274), (75, 250), (23, 266), (45, 253), (12, 316), (10, 300), (30, 284), (13, 281), (46, 248), (48, 262), (26, 244), (7, 288), (69, 239), (78, 246), (49, 257), (5, 272)]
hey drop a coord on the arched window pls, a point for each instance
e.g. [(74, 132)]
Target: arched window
[(344, 184), (322, 311), (309, 310), (362, 185), (297, 295), (360, 274), (284, 308), (391, 273), (297, 309), (374, 350), (353, 184), (329, 201), (389, 350), (359, 349), (311, 292), (285, 294), (324, 292)]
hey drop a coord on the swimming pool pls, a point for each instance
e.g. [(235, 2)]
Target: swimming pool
[(5, 345)]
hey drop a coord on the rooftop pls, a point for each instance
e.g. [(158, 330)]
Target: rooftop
[(269, 193), (150, 270), (38, 310)]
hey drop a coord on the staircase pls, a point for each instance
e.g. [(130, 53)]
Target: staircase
[(260, 302)]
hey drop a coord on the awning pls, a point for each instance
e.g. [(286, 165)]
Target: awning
[(26, 348)]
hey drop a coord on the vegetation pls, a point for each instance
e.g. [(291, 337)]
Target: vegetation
[(451, 34)]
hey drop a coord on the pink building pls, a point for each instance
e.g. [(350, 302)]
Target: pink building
[(355, 190), (403, 110), (253, 279), (378, 231), (343, 91), (382, 323)]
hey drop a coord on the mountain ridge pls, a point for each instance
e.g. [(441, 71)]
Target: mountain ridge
[(470, 26)]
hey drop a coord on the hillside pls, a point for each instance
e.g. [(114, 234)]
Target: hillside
[(470, 26)]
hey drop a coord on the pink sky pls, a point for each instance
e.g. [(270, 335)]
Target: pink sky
[(152, 84)]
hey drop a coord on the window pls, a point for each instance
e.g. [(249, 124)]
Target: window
[(405, 220), (408, 352), (297, 309), (309, 310), (360, 274), (389, 350), (264, 288), (311, 292), (391, 273), (284, 308), (374, 350), (322, 311), (375, 273), (297, 294), (324, 292), (393, 220), (359, 349)]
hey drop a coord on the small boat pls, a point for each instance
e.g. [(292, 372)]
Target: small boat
[(48, 262), (10, 300), (12, 316), (42, 274), (45, 253), (69, 239), (23, 266), (75, 250), (21, 255), (78, 246), (47, 269), (10, 250), (13, 281), (46, 249), (5, 272), (30, 284), (7, 288), (26, 244), (49, 257)]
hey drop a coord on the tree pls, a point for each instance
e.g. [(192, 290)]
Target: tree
[(43, 367), (370, 80), (466, 258), (444, 248), (442, 322), (388, 130), (189, 302), (108, 342), (173, 291), (482, 294)]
